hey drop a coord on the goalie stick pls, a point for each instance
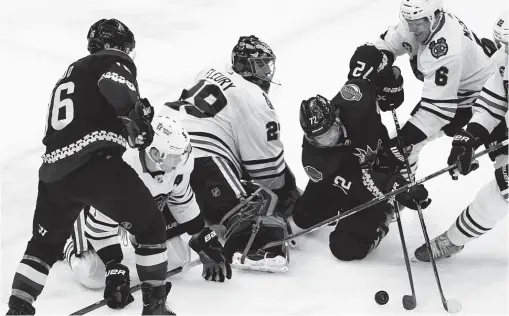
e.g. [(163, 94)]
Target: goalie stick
[(136, 288), (377, 200)]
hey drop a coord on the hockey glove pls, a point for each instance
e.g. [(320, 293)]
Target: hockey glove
[(390, 91), (210, 250), (413, 196), (138, 124), (117, 286), (391, 158), (463, 147)]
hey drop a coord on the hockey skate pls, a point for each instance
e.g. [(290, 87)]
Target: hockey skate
[(154, 299), (441, 247)]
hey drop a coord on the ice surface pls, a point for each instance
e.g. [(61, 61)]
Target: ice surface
[(313, 41)]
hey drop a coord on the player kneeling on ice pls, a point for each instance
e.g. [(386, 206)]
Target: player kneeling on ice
[(165, 167), (344, 157), (241, 179), (490, 204)]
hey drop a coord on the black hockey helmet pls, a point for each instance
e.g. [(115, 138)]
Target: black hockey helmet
[(254, 60), (368, 62), (316, 116), (112, 32)]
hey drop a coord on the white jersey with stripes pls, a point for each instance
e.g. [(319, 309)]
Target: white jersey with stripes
[(232, 119), (491, 106), (454, 66)]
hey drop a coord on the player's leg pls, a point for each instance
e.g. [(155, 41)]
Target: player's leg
[(87, 267), (357, 235), (112, 186), (487, 209), (217, 187), (52, 225)]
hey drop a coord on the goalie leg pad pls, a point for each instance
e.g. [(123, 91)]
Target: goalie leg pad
[(250, 226)]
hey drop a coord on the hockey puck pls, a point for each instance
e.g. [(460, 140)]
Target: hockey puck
[(381, 297)]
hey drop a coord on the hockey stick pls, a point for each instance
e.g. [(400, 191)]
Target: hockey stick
[(136, 288), (451, 305), (409, 301), (378, 200)]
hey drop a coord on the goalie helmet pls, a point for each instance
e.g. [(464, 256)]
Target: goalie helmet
[(172, 143), (112, 32), (319, 123), (255, 61), (501, 30)]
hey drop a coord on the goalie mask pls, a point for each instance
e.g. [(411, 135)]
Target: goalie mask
[(255, 61), (171, 146), (319, 122), (111, 34)]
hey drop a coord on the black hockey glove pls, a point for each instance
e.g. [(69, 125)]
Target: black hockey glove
[(117, 286), (390, 91), (414, 195), (210, 250), (390, 158), (463, 147), (138, 124)]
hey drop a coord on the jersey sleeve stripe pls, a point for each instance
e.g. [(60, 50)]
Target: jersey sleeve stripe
[(262, 161), (494, 95), (232, 180), (266, 169), (491, 104), (496, 116), (269, 176), (213, 137), (440, 115), (181, 202), (454, 101), (466, 93)]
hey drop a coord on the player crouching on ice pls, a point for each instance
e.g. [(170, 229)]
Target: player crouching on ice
[(344, 157), (165, 167)]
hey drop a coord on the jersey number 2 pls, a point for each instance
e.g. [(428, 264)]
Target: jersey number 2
[(272, 131), (61, 110)]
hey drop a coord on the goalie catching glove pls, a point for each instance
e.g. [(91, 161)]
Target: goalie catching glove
[(210, 250), (117, 286)]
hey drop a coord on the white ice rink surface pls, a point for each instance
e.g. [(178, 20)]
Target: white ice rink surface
[(313, 41)]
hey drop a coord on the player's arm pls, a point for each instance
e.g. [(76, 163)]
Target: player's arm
[(118, 85), (489, 108), (182, 203), (438, 104), (390, 42)]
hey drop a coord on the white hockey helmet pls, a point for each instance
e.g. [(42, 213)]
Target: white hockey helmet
[(501, 30), (171, 141), (418, 9)]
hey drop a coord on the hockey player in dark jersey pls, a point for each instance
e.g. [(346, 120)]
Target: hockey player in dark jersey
[(94, 107), (344, 157)]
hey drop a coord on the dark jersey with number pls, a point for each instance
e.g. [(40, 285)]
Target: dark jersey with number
[(341, 177), (84, 109)]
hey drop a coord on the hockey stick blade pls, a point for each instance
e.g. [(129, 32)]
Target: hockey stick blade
[(136, 288), (378, 200), (453, 306)]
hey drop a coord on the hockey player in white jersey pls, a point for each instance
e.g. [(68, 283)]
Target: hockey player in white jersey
[(452, 62), (235, 134), (165, 168), (490, 204)]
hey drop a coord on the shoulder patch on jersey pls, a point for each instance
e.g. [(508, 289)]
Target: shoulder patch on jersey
[(351, 92), (407, 47), (268, 101), (313, 174), (439, 48)]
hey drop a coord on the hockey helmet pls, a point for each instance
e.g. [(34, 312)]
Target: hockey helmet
[(112, 32), (255, 61), (368, 62), (411, 10), (172, 143), (319, 122), (501, 30)]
